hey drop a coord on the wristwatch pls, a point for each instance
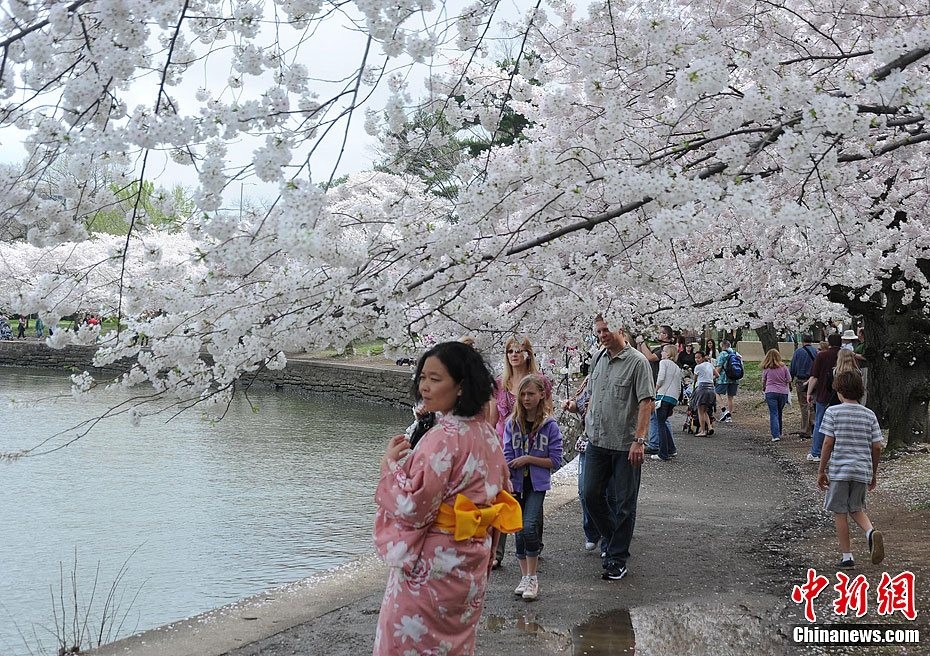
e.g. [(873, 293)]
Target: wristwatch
[(640, 440)]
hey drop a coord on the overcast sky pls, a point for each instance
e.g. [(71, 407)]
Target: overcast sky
[(331, 54)]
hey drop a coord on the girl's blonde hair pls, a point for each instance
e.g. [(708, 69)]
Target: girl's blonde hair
[(531, 366), (545, 408), (772, 360), (671, 351), (845, 361)]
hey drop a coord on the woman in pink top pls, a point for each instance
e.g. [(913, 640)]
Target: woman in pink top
[(519, 361), (776, 383)]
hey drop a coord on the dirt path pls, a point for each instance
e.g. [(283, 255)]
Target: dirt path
[(718, 543)]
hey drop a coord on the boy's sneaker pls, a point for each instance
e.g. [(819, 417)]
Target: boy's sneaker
[(876, 546), (725, 415), (532, 588), (614, 573), (847, 563), (728, 419), (521, 587), (812, 458)]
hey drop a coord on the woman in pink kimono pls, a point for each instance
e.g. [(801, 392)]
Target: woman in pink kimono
[(440, 508)]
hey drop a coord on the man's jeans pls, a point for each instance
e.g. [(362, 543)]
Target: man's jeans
[(590, 532), (817, 441), (606, 469), (528, 539), (807, 409), (653, 443)]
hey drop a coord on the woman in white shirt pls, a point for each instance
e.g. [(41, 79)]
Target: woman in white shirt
[(704, 398), (668, 389)]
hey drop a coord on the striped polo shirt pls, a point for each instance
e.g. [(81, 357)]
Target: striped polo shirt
[(854, 429)]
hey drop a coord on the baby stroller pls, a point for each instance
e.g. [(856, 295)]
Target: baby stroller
[(692, 420), (687, 389)]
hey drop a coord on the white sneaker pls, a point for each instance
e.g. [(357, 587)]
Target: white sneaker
[(521, 586), (812, 458), (532, 588), (590, 546), (776, 439)]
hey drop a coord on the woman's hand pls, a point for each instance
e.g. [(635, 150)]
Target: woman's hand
[(520, 461), (398, 447)]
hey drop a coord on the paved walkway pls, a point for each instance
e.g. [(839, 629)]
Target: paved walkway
[(705, 577)]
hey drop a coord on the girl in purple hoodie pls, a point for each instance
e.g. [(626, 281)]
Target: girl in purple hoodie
[(533, 449)]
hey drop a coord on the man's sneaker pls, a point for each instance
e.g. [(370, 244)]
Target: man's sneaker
[(728, 419), (776, 439), (812, 458), (876, 546), (725, 415), (521, 587), (847, 563), (673, 454), (649, 451), (532, 588), (590, 546), (614, 573)]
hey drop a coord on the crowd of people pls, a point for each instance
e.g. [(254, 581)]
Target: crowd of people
[(39, 327), (477, 462)]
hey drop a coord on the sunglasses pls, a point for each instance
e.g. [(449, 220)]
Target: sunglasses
[(512, 351)]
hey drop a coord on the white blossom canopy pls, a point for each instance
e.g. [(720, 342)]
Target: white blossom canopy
[(680, 162)]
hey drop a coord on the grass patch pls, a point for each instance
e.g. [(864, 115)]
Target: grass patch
[(752, 376)]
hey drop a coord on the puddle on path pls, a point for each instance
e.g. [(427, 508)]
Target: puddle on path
[(605, 635), (609, 634), (522, 622)]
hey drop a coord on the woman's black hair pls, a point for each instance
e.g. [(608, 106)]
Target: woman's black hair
[(468, 369)]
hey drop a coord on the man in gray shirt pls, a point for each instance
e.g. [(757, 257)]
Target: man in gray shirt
[(622, 401)]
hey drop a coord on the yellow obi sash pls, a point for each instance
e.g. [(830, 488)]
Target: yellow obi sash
[(466, 520)]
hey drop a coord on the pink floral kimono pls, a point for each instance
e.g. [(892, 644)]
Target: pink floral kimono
[(436, 585)]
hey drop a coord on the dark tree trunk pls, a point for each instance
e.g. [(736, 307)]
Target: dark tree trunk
[(768, 336), (897, 348)]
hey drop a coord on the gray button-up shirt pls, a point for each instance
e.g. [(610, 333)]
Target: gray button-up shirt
[(617, 385)]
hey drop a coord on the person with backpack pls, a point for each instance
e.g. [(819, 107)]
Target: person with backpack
[(801, 364), (729, 371)]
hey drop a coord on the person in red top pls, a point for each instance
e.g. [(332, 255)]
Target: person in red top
[(819, 389)]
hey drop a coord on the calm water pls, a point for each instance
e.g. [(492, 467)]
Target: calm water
[(216, 512)]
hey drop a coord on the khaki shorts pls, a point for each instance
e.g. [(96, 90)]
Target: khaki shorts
[(845, 496)]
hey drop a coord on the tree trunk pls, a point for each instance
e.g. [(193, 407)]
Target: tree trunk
[(768, 336), (898, 378), (897, 348)]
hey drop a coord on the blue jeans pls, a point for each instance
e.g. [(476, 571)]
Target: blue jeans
[(817, 441), (776, 403), (528, 539), (666, 442), (608, 470), (590, 532), (654, 431)]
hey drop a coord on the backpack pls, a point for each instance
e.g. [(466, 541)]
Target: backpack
[(733, 366)]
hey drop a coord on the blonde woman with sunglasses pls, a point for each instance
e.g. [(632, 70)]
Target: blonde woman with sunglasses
[(519, 362)]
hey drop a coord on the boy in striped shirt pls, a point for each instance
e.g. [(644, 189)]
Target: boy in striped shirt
[(852, 447)]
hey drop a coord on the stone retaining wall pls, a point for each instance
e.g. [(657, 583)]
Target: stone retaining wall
[(386, 385)]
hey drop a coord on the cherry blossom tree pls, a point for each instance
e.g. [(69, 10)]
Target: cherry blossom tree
[(735, 164)]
